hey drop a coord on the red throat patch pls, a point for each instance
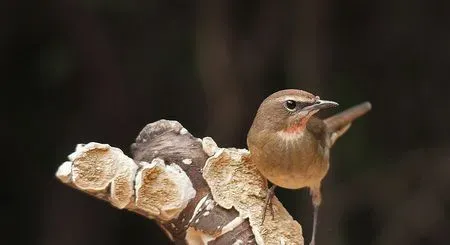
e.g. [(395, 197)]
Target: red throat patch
[(298, 126)]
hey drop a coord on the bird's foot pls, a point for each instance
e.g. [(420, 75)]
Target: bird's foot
[(269, 196)]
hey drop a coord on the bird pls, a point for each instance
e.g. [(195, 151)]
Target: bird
[(290, 146)]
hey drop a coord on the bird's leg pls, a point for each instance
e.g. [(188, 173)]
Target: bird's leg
[(316, 200), (269, 196)]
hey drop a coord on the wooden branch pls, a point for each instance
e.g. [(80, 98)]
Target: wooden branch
[(197, 192)]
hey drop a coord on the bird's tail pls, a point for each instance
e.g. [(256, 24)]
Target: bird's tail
[(338, 124)]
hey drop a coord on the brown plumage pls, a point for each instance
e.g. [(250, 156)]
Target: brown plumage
[(291, 147)]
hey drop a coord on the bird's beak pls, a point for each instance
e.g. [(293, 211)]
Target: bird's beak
[(321, 104)]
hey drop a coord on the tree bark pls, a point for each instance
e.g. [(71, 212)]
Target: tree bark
[(197, 192)]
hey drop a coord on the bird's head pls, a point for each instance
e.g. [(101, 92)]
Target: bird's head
[(288, 111)]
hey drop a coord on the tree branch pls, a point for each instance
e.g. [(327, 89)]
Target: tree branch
[(197, 192)]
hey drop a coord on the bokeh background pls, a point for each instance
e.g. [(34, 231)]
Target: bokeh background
[(79, 71)]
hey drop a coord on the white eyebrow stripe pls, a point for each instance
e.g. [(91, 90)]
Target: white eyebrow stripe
[(284, 98), (295, 98)]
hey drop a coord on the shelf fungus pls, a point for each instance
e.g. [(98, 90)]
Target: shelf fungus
[(197, 192)]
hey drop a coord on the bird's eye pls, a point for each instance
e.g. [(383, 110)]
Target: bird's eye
[(290, 105)]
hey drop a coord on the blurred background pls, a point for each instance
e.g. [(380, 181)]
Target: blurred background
[(80, 71)]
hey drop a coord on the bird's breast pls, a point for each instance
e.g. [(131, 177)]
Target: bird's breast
[(290, 161)]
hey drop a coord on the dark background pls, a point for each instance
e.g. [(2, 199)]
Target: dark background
[(80, 71)]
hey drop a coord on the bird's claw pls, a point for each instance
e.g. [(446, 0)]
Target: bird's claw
[(268, 203)]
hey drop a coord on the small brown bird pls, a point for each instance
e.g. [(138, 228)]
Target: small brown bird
[(291, 147)]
